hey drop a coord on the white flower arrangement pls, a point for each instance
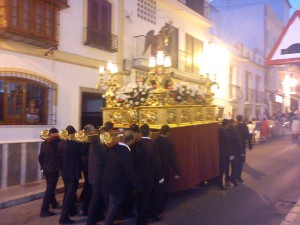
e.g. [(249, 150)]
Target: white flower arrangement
[(133, 94), (186, 93)]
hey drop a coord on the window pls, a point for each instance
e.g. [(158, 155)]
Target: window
[(194, 50), (172, 48), (146, 10), (249, 94), (99, 26), (31, 22), (26, 99), (196, 5)]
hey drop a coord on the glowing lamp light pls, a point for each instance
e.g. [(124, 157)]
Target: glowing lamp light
[(167, 62), (109, 65), (101, 70), (152, 62), (292, 82), (160, 58), (114, 68)]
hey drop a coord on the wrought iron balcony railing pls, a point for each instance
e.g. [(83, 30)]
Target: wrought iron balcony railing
[(181, 60), (101, 40), (235, 92), (255, 96), (200, 6)]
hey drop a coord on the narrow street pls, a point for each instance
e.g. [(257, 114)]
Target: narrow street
[(271, 188)]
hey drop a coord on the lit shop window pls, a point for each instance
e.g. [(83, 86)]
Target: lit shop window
[(26, 99)]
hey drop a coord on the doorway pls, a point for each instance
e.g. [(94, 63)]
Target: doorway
[(91, 109)]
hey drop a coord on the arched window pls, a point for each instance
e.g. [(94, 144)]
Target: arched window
[(26, 99)]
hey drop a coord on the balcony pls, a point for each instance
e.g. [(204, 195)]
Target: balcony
[(182, 61), (254, 96), (101, 40), (200, 6), (31, 22), (235, 92), (62, 4)]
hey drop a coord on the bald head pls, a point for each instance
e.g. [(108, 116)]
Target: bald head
[(128, 136)]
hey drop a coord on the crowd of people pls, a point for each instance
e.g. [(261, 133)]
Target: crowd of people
[(236, 135), (271, 127), (233, 139), (127, 172)]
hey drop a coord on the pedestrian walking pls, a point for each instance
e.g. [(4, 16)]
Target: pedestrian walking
[(251, 128), (118, 174), (148, 166), (169, 163), (231, 170), (86, 193), (264, 129), (244, 138), (224, 152), (96, 162), (69, 152), (48, 159)]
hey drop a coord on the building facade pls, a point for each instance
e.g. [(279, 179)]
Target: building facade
[(257, 28), (49, 66)]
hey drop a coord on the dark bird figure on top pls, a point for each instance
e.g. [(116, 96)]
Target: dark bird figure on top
[(158, 42)]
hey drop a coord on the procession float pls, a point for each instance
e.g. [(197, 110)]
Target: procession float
[(158, 100)]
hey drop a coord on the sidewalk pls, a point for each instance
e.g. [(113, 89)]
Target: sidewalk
[(293, 217), (20, 194)]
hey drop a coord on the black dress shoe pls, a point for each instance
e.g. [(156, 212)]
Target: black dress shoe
[(234, 182), (127, 215), (55, 205), (240, 180), (66, 221), (73, 213), (157, 218), (101, 217), (46, 214), (222, 187)]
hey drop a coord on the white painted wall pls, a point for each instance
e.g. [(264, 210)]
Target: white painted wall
[(69, 78), (73, 23)]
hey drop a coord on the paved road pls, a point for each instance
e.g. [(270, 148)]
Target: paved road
[(270, 190)]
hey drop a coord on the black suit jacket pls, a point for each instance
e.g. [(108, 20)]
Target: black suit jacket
[(225, 145), (96, 162), (48, 157), (235, 140), (148, 164), (244, 135), (119, 171), (167, 154), (70, 153)]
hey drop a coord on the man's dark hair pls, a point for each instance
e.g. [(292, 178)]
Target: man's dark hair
[(89, 127), (225, 122), (53, 130), (134, 127), (128, 135), (239, 118), (145, 130), (164, 129), (70, 129), (108, 126)]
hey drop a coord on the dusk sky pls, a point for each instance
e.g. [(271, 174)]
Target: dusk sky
[(295, 5)]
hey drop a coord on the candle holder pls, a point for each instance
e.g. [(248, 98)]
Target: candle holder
[(108, 82)]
